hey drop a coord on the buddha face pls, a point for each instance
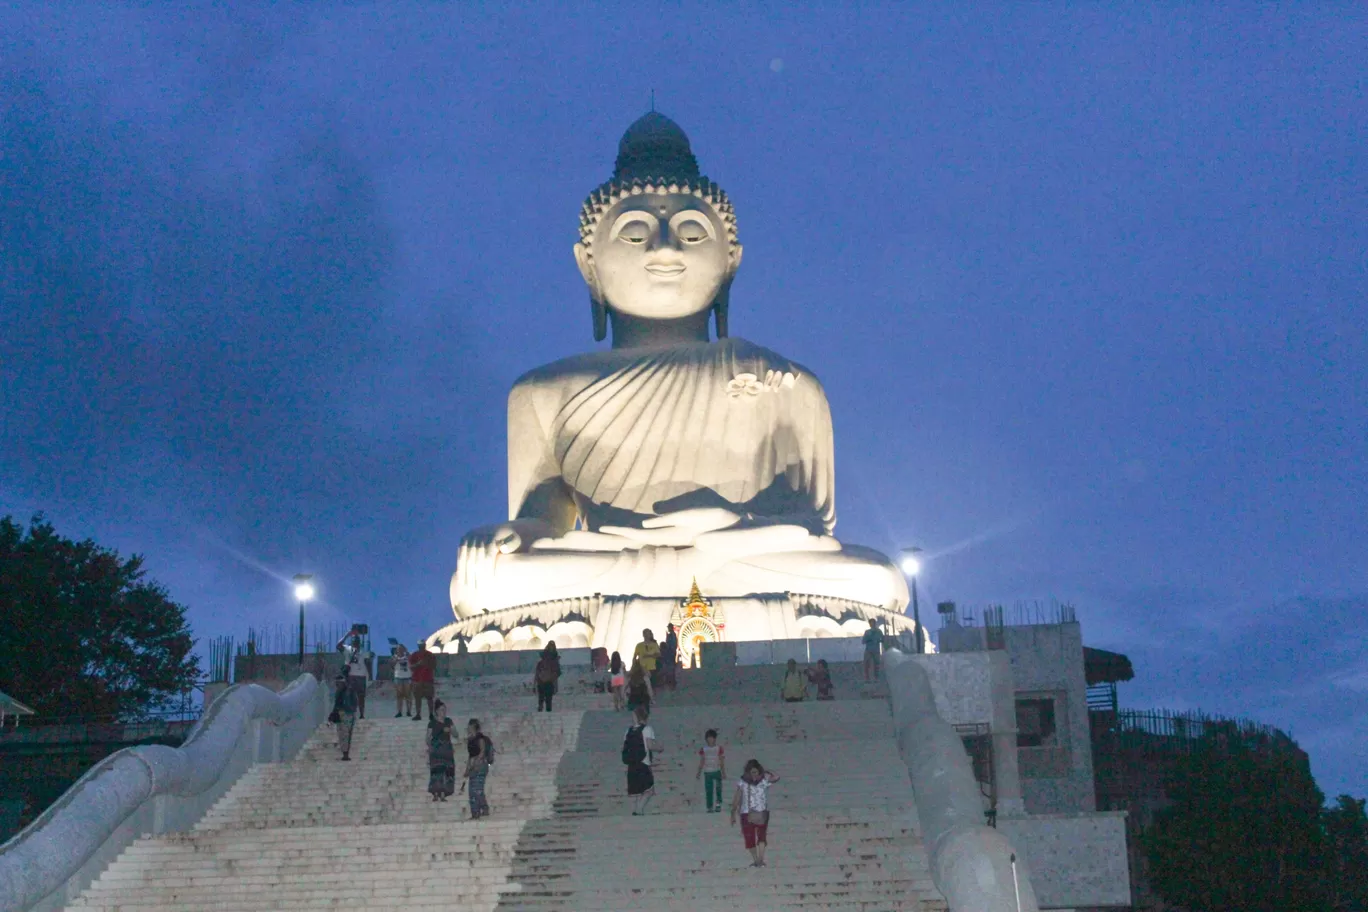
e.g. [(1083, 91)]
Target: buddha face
[(659, 256)]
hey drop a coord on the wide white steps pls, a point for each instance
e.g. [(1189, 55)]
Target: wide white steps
[(318, 833)]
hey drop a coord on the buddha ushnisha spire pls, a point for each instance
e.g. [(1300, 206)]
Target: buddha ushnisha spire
[(654, 157)]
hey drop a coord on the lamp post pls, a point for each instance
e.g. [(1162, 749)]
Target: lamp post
[(911, 566), (303, 591)]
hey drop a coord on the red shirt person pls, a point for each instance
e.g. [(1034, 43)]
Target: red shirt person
[(422, 664)]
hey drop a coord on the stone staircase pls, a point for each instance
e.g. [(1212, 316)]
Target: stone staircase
[(316, 833)]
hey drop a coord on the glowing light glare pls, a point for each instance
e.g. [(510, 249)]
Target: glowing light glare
[(304, 592), (910, 565)]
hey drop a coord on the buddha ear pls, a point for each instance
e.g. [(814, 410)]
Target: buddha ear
[(597, 308), (585, 264)]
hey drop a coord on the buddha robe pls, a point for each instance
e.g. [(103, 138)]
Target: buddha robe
[(600, 443)]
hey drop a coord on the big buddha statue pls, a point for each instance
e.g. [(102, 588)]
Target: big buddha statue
[(670, 458)]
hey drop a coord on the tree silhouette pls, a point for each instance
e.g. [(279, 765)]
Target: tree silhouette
[(82, 632), (1244, 830), (1346, 829)]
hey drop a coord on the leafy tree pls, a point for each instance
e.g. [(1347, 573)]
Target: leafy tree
[(1346, 830), (1244, 830), (82, 632)]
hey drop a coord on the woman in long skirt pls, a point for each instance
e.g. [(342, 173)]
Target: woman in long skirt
[(441, 755), (478, 749)]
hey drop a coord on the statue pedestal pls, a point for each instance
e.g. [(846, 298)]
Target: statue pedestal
[(615, 622)]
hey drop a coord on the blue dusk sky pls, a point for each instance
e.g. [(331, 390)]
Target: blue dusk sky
[(1085, 286)]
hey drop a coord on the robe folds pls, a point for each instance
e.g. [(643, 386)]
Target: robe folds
[(632, 433)]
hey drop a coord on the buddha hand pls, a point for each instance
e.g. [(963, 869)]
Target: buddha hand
[(481, 547), (678, 529)]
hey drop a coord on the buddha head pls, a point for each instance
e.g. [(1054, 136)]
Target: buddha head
[(658, 240)]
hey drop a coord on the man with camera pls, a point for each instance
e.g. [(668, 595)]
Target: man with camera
[(357, 659)]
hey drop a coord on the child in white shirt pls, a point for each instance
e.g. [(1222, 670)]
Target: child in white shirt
[(712, 769)]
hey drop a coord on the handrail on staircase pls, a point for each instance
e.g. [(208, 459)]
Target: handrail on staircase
[(974, 866), (43, 857)]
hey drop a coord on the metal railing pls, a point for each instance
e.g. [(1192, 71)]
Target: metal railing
[(172, 725), (1164, 731), (978, 744)]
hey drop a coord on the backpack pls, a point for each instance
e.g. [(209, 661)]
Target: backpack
[(547, 672), (634, 746), (489, 750)]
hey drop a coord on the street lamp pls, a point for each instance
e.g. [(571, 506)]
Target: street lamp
[(911, 566), (303, 592)]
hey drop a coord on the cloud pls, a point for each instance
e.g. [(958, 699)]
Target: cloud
[(1278, 664), (154, 324), (1354, 680)]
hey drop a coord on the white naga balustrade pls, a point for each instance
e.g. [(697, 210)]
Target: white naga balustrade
[(975, 866), (153, 789)]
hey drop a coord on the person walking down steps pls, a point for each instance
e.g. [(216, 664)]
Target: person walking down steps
[(480, 754), (441, 754), (712, 769), (358, 659), (546, 677), (639, 750), (752, 802), (344, 714)]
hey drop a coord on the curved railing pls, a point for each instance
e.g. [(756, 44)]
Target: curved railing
[(973, 865), (152, 789)]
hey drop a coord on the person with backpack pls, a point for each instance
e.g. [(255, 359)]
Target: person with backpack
[(639, 750), (752, 802), (343, 714), (794, 688), (480, 757), (546, 677)]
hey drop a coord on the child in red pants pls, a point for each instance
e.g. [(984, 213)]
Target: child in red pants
[(751, 801)]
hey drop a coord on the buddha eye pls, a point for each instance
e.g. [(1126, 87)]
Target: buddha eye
[(692, 231), (636, 232)]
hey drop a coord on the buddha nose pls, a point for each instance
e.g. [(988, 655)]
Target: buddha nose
[(666, 239)]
